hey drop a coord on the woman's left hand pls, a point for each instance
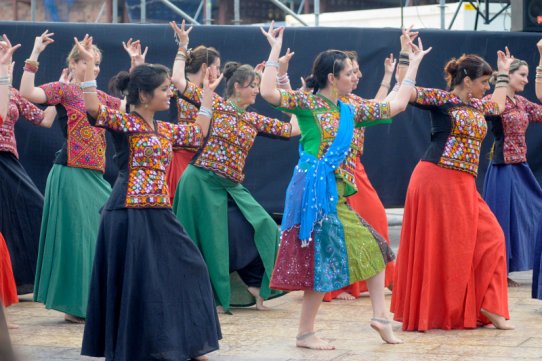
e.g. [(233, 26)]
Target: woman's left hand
[(417, 51), (6, 51), (133, 48), (273, 36), (504, 60), (85, 48)]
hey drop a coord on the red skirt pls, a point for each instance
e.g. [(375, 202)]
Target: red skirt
[(179, 161), (452, 258), (369, 206), (8, 289)]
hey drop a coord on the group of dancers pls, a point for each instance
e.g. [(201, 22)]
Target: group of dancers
[(148, 264)]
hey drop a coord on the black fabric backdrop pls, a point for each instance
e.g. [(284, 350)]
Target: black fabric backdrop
[(391, 151)]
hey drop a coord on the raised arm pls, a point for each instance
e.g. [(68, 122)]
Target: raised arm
[(404, 94), (504, 59), (406, 38), (28, 88), (389, 67), (205, 113), (92, 103), (283, 81), (6, 53), (538, 79), (178, 76), (268, 85), (133, 48)]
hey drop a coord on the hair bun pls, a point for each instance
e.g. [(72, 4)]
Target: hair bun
[(452, 67), (229, 68)]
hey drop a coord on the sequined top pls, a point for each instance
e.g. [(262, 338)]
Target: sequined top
[(143, 155), (509, 130), (231, 135), (318, 119), (359, 133), (18, 106), (85, 145), (457, 129), (186, 111)]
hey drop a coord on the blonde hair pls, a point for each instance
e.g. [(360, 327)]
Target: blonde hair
[(76, 56)]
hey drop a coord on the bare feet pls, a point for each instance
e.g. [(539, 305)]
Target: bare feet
[(383, 327), (254, 291), (498, 321), (345, 296), (201, 358), (512, 283), (310, 340), (73, 319), (220, 310)]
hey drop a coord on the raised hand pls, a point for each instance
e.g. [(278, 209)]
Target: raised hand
[(260, 68), (389, 64), (539, 46), (273, 36), (66, 76), (6, 51), (504, 60), (85, 48), (417, 51), (42, 41), (407, 37), (211, 79), (181, 33), (133, 48), (285, 59)]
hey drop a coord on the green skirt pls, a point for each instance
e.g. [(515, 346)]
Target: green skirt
[(201, 205), (69, 229)]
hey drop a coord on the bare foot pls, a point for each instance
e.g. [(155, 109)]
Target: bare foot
[(220, 310), (345, 296), (254, 291), (201, 358), (73, 319), (498, 321), (383, 327), (512, 283), (313, 342), (12, 326)]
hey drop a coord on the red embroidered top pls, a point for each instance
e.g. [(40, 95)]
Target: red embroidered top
[(143, 155), (231, 135), (319, 121), (187, 111), (85, 145), (509, 130), (457, 129), (18, 106)]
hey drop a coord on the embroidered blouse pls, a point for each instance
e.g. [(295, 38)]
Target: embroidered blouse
[(359, 132), (143, 155), (318, 120), (186, 112), (85, 145), (457, 129), (18, 106), (231, 135), (509, 130)]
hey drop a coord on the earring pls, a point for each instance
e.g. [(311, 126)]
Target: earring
[(334, 91)]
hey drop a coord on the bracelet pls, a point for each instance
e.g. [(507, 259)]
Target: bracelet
[(31, 66), (89, 84), (283, 79), (396, 87), (183, 47), (409, 82), (180, 57), (94, 92), (206, 112), (272, 64), (387, 86)]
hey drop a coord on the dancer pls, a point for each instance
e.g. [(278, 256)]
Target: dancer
[(211, 184), (325, 245), (510, 187), (75, 189), (150, 295), (21, 202), (366, 201), (451, 267), (197, 62)]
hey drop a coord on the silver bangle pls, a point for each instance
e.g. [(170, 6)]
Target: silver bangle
[(272, 64), (89, 84), (409, 82), (206, 112)]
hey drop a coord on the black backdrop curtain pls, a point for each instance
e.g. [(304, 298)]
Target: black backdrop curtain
[(391, 151)]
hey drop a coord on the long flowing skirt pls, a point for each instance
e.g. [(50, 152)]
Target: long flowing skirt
[(8, 290), (179, 161), (537, 266), (451, 260), (71, 218), (201, 205), (21, 207), (344, 250), (368, 205), (150, 296), (515, 197)]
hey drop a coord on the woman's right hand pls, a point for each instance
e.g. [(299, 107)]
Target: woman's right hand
[(418, 52), (6, 51), (408, 36), (211, 79), (181, 33), (85, 48), (389, 64), (42, 41), (273, 36)]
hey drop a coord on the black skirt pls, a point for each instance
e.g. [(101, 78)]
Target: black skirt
[(150, 294), (21, 207)]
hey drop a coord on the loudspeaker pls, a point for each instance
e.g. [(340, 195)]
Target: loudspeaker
[(526, 15)]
